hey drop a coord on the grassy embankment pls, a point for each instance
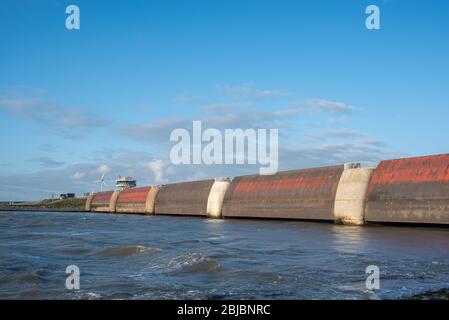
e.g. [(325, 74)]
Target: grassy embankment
[(76, 204)]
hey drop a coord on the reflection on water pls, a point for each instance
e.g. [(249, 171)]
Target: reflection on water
[(165, 257)]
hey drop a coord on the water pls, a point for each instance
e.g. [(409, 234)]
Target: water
[(163, 257)]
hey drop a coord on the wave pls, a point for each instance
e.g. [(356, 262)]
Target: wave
[(75, 250), (441, 294), (193, 262), (126, 251)]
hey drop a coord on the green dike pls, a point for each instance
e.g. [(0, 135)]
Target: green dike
[(74, 203)]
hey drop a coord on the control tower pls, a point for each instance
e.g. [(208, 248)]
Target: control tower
[(125, 183)]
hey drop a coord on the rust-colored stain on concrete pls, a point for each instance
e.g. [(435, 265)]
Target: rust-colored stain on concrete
[(413, 170), (412, 190), (133, 195), (102, 197), (185, 198), (301, 194)]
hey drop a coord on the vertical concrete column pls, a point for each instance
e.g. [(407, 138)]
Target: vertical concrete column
[(151, 200), (88, 204), (350, 199), (216, 197), (113, 201)]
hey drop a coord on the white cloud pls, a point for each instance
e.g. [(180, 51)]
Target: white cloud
[(248, 91), (59, 120), (341, 133), (328, 106), (48, 162), (78, 175), (160, 170), (103, 169), (187, 98)]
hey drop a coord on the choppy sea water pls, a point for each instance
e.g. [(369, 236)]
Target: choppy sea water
[(165, 257)]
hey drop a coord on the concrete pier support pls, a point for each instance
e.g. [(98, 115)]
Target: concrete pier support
[(350, 199), (151, 200), (88, 204), (113, 201), (216, 197)]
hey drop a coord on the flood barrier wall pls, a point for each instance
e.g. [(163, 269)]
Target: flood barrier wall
[(104, 201), (132, 200), (410, 190), (295, 194), (184, 198)]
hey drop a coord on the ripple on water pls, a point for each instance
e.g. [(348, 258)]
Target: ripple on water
[(191, 262), (35, 276), (125, 251)]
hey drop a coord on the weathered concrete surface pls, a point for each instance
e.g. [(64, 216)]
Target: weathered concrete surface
[(88, 204), (350, 198), (216, 197), (295, 194), (101, 201), (411, 190), (113, 201), (151, 200), (132, 200), (185, 198)]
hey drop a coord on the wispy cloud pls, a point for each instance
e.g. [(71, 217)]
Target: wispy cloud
[(69, 122), (334, 153), (188, 98), (307, 139), (220, 116), (78, 175), (46, 147), (161, 170), (340, 133), (47, 162), (322, 105), (249, 91)]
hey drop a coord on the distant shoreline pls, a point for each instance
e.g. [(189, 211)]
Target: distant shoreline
[(30, 208), (66, 205)]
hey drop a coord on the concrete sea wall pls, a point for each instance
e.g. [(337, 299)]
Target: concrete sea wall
[(295, 194), (216, 197), (184, 198), (411, 190), (132, 200), (350, 199), (103, 201)]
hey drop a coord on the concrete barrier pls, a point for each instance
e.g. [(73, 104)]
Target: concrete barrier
[(132, 200), (150, 201), (113, 201), (411, 190), (350, 198), (101, 201), (88, 204), (185, 198), (216, 197), (295, 194)]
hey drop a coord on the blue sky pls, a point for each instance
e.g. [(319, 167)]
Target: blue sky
[(104, 99)]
